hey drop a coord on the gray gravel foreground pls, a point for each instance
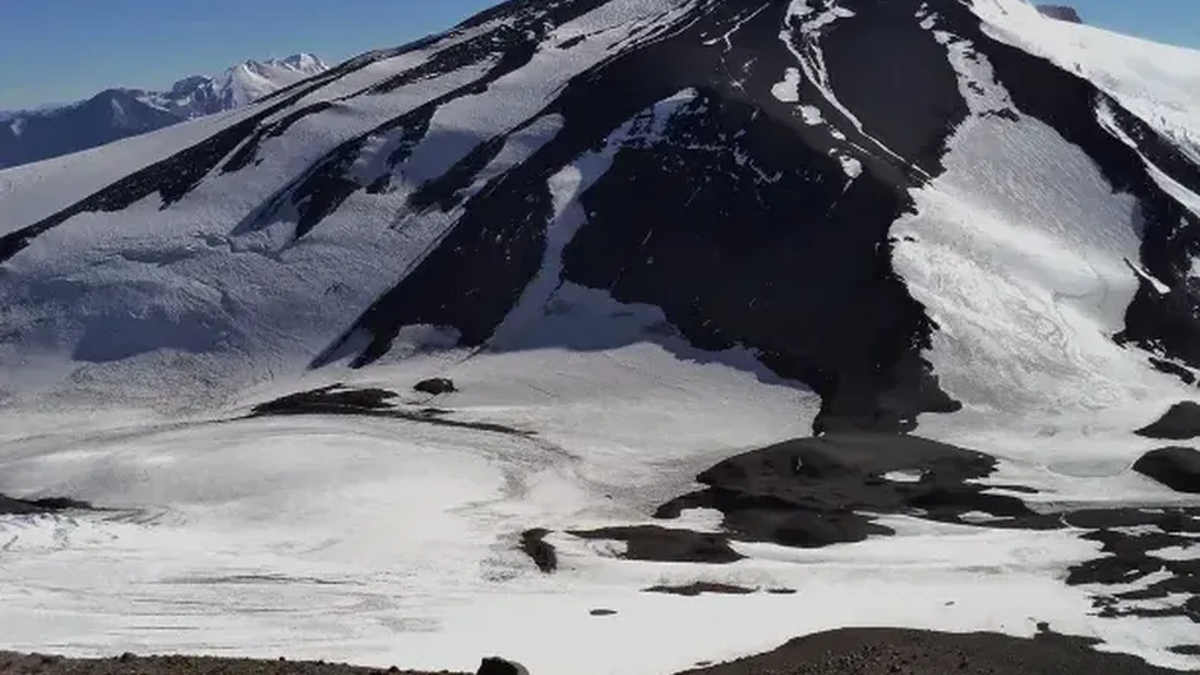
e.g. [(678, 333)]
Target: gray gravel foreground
[(128, 664), (894, 651), (858, 651)]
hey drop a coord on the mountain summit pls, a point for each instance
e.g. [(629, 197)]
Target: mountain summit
[(249, 81), (50, 131)]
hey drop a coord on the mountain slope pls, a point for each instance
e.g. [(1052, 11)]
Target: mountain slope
[(642, 236), (113, 114), (783, 155)]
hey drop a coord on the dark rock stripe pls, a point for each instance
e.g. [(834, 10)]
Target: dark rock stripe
[(660, 544), (326, 185), (249, 150), (700, 588), (338, 400), (1180, 422), (172, 178), (20, 507)]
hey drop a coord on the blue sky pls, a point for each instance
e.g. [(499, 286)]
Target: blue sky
[(64, 50)]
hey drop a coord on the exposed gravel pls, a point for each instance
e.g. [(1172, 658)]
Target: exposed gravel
[(889, 651), (128, 664)]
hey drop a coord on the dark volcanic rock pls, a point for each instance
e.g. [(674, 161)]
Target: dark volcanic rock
[(1175, 369), (436, 386), (1061, 12), (660, 544), (1171, 520), (494, 665), (1130, 558), (1181, 422), (699, 588), (336, 399), (331, 400), (1186, 650), (809, 492), (11, 506), (1177, 468), (543, 554), (893, 651)]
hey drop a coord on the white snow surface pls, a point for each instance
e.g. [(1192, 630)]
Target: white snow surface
[(1025, 257), (1159, 83), (380, 542), (787, 90), (383, 541)]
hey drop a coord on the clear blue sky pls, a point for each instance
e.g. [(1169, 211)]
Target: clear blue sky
[(64, 50)]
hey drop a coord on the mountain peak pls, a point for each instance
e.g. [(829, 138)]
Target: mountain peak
[(116, 113), (302, 61), (250, 80)]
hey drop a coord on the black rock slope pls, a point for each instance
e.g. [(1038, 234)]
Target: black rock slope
[(751, 214), (757, 196)]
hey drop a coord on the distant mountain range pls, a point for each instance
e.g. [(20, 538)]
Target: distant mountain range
[(54, 130)]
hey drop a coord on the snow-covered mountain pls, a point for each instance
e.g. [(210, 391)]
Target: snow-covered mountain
[(948, 245), (113, 114), (240, 85)]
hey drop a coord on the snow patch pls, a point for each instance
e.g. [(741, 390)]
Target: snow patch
[(1021, 253), (788, 91), (851, 166)]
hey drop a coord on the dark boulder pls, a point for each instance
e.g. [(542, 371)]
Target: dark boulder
[(700, 588), (1181, 422), (19, 507), (542, 554), (660, 544), (334, 399), (1061, 12), (494, 665), (436, 386), (813, 492), (1177, 468)]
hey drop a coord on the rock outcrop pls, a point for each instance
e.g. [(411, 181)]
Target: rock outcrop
[(1177, 468), (1061, 12)]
